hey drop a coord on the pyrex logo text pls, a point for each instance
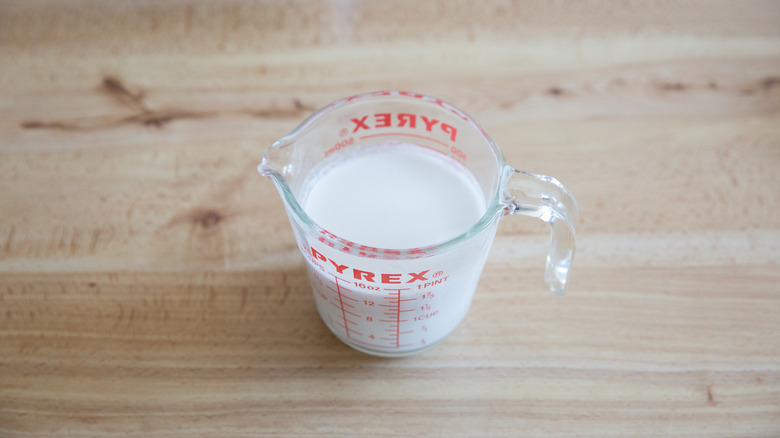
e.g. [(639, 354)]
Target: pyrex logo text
[(402, 120), (373, 277)]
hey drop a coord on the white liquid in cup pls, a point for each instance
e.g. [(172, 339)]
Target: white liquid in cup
[(393, 195)]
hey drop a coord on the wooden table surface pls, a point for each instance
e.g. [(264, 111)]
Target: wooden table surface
[(150, 284)]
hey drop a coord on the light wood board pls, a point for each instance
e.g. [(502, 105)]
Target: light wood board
[(150, 284)]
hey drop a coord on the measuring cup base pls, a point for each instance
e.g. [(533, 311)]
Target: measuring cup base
[(390, 353)]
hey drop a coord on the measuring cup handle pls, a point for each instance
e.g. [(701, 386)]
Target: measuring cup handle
[(545, 198)]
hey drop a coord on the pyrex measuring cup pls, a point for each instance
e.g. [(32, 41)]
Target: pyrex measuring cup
[(398, 301)]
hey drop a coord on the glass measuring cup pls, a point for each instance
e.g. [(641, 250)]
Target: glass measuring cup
[(398, 301)]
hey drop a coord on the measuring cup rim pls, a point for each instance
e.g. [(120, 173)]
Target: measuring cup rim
[(493, 211)]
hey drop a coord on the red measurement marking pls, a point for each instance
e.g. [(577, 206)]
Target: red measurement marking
[(341, 301), (402, 134), (345, 280), (398, 311)]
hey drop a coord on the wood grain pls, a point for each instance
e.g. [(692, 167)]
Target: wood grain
[(150, 284)]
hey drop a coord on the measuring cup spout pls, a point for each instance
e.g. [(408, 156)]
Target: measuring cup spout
[(545, 198), (274, 160)]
